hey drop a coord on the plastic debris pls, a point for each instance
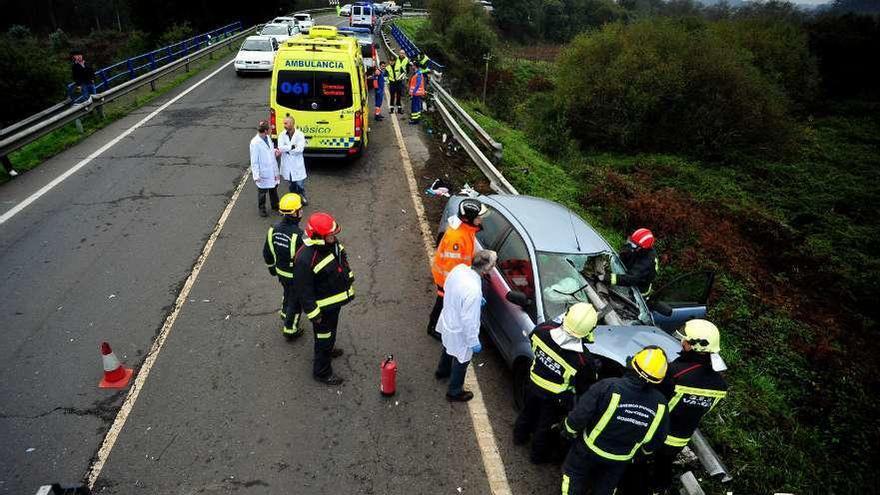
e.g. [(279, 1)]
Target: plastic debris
[(111, 296), (439, 188)]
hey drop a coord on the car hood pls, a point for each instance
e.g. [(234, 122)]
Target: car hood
[(255, 56), (619, 343)]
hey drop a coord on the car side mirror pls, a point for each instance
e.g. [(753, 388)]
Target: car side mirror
[(662, 308), (518, 298)]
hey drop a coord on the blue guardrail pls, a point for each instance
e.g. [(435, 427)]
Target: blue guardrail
[(411, 49), (131, 68)]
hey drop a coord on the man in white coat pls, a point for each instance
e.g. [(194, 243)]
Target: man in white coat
[(459, 323), (292, 143), (264, 167)]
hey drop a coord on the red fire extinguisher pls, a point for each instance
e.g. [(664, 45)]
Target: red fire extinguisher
[(388, 384)]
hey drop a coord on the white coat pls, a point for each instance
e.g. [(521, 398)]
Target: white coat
[(459, 323), (264, 165), (293, 166)]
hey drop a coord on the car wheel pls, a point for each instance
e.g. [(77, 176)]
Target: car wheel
[(238, 73), (520, 380)]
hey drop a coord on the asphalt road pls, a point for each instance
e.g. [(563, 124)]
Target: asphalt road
[(229, 405)]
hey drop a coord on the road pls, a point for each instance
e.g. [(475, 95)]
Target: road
[(228, 404)]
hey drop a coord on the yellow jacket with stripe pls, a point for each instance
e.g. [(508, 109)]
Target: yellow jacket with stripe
[(322, 277), (618, 417)]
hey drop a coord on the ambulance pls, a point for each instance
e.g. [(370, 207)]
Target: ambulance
[(319, 79)]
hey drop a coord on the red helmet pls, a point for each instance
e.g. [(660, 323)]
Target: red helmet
[(321, 224), (642, 238)]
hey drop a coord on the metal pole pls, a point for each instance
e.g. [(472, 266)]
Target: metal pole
[(486, 76)]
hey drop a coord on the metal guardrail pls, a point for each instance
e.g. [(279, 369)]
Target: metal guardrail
[(10, 143), (699, 445)]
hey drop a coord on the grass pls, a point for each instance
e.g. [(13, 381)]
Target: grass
[(40, 150), (411, 25), (798, 410)]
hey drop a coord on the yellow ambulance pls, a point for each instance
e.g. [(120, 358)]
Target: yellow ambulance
[(319, 79)]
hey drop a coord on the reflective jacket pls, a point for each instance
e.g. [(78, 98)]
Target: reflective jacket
[(423, 62), (282, 242), (641, 269), (456, 247), (693, 388), (400, 66), (560, 368), (620, 415), (417, 84), (322, 276)]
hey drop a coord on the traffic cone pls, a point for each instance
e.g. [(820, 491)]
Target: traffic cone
[(115, 375)]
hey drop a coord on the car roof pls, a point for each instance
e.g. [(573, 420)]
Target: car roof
[(283, 17), (551, 226), (259, 38), (275, 24)]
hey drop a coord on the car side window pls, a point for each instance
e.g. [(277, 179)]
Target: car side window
[(495, 227), (515, 266)]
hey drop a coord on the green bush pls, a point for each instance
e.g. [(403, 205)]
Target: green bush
[(176, 33), (39, 76), (669, 85), (468, 39)]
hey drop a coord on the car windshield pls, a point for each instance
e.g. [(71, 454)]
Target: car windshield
[(564, 279), (275, 30), (302, 17), (256, 46), (364, 38)]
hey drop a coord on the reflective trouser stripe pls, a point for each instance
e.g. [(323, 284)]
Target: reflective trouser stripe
[(569, 428), (271, 246), (324, 335), (312, 314), (294, 329), (676, 441), (565, 482)]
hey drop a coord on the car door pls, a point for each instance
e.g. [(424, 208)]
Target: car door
[(682, 299), (510, 322)]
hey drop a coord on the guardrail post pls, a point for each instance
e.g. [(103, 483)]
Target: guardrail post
[(79, 126), (130, 69)]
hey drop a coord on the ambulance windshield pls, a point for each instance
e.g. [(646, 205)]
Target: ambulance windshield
[(314, 91)]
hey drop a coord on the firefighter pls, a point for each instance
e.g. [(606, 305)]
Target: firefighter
[(323, 283), (416, 93), (640, 260), (562, 369), (282, 242), (455, 247), (617, 419), (693, 388)]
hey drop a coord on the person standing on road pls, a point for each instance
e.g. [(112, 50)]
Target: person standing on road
[(416, 93), (455, 247), (640, 260), (292, 144), (323, 281), (264, 167), (460, 323), (282, 242), (693, 388), (617, 418), (83, 76), (562, 369), (401, 73), (378, 79)]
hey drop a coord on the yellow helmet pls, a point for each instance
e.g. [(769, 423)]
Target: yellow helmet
[(580, 320), (702, 335), (650, 363), (290, 203)]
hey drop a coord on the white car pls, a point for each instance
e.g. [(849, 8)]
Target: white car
[(290, 21), (257, 54), (303, 21), (345, 10), (280, 32)]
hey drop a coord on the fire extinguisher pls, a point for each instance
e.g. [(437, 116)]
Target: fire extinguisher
[(388, 384)]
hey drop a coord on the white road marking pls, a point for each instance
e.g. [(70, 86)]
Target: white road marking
[(492, 462), (144, 372), (85, 161)]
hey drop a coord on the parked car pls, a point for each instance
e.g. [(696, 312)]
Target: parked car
[(366, 42), (280, 32), (345, 10), (392, 8), (303, 21), (257, 54), (547, 259), (290, 21)]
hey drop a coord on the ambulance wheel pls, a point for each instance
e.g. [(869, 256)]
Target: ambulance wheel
[(520, 380)]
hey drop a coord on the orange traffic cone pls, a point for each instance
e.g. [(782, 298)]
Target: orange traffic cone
[(115, 375)]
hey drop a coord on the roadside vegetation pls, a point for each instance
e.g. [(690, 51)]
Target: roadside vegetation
[(749, 140)]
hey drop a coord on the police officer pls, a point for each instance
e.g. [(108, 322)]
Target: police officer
[(640, 260), (282, 242), (562, 367), (693, 388), (455, 247), (323, 281), (617, 418)]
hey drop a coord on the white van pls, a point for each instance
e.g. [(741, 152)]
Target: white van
[(362, 16)]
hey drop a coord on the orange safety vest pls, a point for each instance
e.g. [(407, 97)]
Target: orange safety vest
[(417, 84), (456, 247)]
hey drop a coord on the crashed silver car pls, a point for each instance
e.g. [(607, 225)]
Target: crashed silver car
[(548, 260)]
